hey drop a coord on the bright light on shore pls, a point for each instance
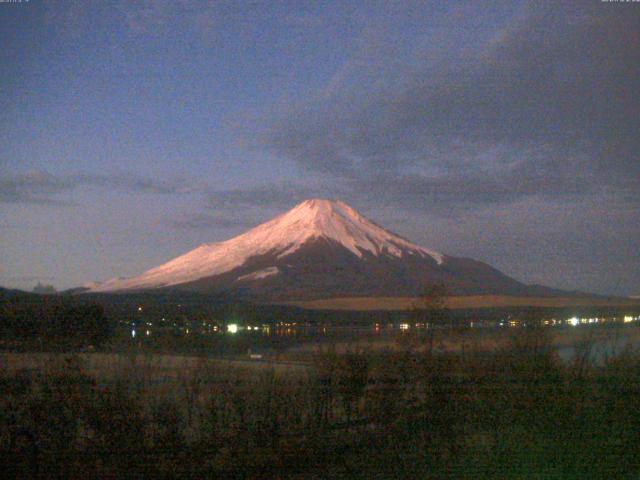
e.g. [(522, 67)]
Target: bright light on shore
[(232, 328), (573, 321)]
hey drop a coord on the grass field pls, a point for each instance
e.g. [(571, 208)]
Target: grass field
[(472, 301), (515, 411), (158, 366)]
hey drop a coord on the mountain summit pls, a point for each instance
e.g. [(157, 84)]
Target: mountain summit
[(318, 249)]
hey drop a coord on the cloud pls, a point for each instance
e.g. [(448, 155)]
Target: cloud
[(34, 187), (42, 188), (242, 207), (133, 184), (277, 196), (540, 174), (547, 106), (206, 221)]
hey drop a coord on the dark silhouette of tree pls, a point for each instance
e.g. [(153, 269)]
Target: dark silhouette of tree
[(44, 289), (52, 319), (430, 309), (353, 374)]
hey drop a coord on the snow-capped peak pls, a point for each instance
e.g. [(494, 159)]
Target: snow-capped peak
[(337, 221), (283, 235)]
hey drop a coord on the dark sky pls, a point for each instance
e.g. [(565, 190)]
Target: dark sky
[(131, 132)]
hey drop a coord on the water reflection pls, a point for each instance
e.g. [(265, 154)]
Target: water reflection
[(294, 329)]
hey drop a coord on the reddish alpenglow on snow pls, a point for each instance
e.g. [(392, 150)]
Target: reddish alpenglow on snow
[(318, 249), (311, 220)]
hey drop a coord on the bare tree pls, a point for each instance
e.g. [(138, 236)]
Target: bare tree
[(431, 310)]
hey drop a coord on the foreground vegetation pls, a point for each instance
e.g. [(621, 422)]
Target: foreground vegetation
[(516, 412)]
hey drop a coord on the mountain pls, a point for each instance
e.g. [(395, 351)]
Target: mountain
[(320, 249)]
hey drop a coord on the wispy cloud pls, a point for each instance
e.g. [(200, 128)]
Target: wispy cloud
[(242, 207), (136, 184), (43, 188), (270, 196), (34, 187), (207, 221)]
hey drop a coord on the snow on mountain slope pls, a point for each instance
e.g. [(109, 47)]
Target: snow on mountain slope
[(259, 274), (283, 235)]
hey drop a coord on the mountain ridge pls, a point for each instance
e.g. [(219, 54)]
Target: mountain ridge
[(319, 249)]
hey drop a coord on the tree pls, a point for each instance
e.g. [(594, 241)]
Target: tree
[(431, 310), (353, 375), (44, 289), (97, 327)]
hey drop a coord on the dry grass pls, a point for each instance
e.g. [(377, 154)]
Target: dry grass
[(472, 301), (108, 366), (516, 413)]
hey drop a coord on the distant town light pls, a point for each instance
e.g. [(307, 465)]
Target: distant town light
[(133, 333), (573, 321), (140, 308), (148, 333), (628, 318), (232, 328)]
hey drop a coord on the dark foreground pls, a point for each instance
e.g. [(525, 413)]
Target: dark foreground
[(519, 412)]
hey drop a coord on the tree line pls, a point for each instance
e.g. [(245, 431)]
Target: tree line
[(53, 320)]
